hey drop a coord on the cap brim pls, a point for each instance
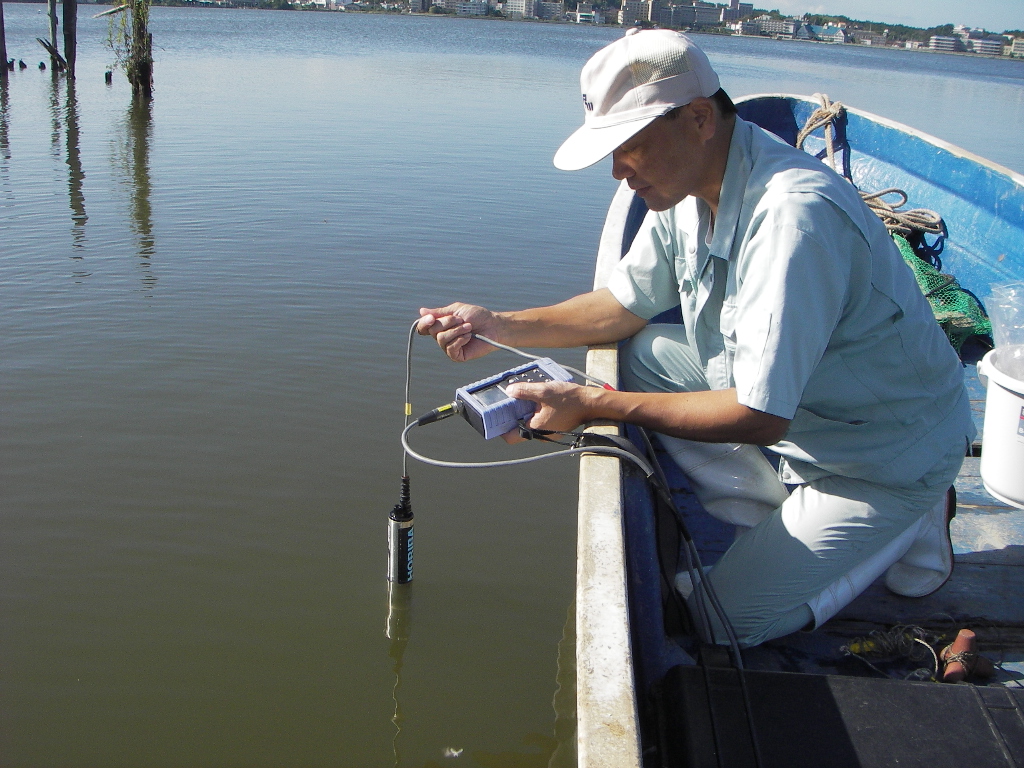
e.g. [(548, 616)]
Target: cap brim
[(589, 145)]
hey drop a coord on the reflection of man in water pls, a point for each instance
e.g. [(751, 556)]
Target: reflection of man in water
[(802, 331)]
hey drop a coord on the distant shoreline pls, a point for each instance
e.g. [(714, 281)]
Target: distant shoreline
[(723, 33), (921, 49)]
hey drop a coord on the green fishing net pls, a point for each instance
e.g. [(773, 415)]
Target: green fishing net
[(957, 311)]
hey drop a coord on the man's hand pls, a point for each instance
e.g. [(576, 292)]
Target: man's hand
[(590, 318), (563, 406), (712, 416), (453, 328)]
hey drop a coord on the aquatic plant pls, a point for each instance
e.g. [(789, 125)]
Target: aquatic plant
[(129, 38)]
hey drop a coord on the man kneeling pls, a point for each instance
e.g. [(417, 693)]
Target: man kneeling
[(802, 330)]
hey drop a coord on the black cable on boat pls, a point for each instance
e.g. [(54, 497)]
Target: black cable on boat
[(703, 587)]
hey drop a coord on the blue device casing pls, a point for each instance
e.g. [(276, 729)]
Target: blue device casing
[(491, 412)]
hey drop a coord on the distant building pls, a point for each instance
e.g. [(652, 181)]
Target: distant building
[(863, 37), (674, 16), (746, 28), (784, 28), (550, 10), (707, 14), (587, 14), (670, 15), (521, 9), (946, 43), (1017, 47), (987, 46), (737, 11), (634, 11), (419, 6), (471, 8), (832, 34)]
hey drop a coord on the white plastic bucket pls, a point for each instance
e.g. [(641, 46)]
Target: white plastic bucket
[(1002, 456)]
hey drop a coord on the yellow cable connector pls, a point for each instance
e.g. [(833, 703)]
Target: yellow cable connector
[(439, 413)]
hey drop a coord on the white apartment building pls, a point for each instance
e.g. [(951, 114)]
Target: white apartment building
[(777, 27), (521, 9), (945, 43), (987, 46), (746, 28), (1017, 47), (633, 11)]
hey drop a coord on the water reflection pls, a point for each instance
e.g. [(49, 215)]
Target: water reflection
[(398, 629), (75, 173), (5, 140), (64, 123), (131, 159), (56, 118), (564, 700), (139, 125)]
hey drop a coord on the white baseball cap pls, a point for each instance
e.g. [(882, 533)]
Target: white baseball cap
[(629, 84)]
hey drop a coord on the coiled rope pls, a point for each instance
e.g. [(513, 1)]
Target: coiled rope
[(901, 641), (896, 221)]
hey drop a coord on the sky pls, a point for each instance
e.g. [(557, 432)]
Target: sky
[(993, 15)]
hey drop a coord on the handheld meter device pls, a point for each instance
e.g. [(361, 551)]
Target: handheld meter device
[(491, 411)]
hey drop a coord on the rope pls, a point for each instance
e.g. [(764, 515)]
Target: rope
[(902, 222), (825, 115), (896, 221), (902, 641)]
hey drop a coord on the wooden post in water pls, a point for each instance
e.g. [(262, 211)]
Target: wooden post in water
[(3, 46), (52, 13), (70, 35), (139, 67)]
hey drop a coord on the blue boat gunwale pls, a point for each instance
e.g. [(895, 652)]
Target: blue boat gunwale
[(981, 201), (810, 103)]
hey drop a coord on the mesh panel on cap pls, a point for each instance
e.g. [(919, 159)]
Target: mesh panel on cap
[(650, 60)]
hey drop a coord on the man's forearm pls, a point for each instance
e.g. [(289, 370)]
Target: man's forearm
[(590, 318), (712, 416)]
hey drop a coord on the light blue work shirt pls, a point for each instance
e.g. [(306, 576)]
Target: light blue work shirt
[(798, 298)]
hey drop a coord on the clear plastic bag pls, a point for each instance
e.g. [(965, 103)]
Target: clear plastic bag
[(1006, 311)]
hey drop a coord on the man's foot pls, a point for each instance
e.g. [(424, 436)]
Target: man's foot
[(928, 563)]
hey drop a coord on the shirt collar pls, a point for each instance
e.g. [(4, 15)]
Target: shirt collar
[(734, 184)]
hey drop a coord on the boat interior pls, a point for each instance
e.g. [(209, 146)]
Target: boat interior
[(984, 594), (848, 693)]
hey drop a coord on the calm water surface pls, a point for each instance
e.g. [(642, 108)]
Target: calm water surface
[(203, 308)]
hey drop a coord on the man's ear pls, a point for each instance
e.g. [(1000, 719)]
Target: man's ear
[(704, 117)]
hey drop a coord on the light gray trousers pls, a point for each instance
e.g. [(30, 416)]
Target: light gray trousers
[(822, 531)]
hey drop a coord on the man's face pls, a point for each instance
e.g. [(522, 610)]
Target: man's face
[(666, 161)]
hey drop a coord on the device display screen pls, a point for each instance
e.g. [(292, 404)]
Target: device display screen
[(490, 395), (495, 393)]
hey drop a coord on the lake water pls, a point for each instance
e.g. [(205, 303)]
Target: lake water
[(203, 311)]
